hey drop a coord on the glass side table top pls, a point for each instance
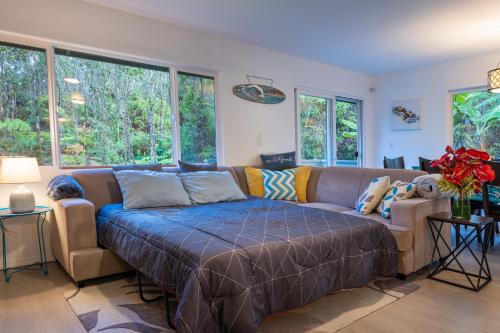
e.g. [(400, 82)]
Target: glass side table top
[(6, 212)]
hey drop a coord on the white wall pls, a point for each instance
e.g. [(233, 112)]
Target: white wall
[(88, 25), (433, 84)]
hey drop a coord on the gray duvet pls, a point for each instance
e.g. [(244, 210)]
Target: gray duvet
[(232, 264)]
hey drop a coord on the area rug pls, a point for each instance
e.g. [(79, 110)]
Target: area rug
[(116, 307)]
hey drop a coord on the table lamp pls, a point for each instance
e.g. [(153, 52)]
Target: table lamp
[(20, 170)]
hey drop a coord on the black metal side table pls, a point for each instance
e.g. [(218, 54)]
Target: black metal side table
[(41, 213), (478, 224)]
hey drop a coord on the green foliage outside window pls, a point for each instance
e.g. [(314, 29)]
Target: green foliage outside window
[(476, 121), (126, 117), (313, 124), (347, 131), (197, 118), (24, 111)]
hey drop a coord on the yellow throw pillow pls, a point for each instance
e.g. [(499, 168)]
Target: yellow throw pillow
[(255, 181), (302, 175)]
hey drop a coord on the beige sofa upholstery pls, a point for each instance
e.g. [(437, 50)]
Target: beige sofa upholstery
[(73, 224)]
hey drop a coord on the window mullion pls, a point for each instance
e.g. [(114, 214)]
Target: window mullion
[(176, 134), (51, 72)]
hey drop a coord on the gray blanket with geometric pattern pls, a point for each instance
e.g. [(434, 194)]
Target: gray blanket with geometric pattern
[(232, 264)]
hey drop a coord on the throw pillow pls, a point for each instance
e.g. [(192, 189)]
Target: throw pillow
[(152, 167), (371, 196), (211, 186), (144, 189), (195, 167), (64, 187), (302, 175), (398, 191), (280, 185), (255, 181), (278, 161)]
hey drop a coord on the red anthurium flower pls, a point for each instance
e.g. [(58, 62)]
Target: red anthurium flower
[(463, 169)]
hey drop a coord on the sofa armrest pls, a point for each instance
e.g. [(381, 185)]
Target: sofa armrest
[(412, 214), (72, 227), (408, 213)]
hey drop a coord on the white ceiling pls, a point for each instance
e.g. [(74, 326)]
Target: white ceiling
[(372, 36)]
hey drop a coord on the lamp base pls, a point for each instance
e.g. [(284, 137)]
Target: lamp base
[(22, 200)]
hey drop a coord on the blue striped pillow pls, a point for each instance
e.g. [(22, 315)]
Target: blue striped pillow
[(279, 185)]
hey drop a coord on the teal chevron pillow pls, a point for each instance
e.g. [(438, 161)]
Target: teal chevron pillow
[(279, 185), (397, 191)]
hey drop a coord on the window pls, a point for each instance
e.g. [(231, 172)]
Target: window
[(24, 107), (112, 112), (328, 129), (476, 121), (197, 117), (102, 111)]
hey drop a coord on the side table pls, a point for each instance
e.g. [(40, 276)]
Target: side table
[(478, 225), (41, 213)]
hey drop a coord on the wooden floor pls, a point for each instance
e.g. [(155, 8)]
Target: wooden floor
[(34, 303)]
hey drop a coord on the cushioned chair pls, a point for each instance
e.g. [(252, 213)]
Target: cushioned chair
[(492, 207), (425, 165), (394, 163)]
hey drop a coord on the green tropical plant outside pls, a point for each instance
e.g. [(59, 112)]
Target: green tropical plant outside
[(476, 121)]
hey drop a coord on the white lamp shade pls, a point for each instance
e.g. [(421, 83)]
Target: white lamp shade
[(19, 170)]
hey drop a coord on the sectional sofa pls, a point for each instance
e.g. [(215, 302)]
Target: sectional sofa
[(73, 223)]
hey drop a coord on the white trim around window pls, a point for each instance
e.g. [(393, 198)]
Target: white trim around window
[(50, 45), (331, 145)]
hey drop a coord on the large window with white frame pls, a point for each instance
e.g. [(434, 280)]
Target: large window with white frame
[(105, 110), (328, 129)]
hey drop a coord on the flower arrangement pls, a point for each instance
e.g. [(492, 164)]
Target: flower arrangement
[(463, 171)]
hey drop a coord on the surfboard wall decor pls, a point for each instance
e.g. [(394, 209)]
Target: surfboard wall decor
[(259, 93)]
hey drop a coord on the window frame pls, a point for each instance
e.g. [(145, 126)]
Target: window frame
[(331, 144), (50, 46)]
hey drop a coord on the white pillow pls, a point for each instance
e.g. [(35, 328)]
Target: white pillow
[(211, 186), (141, 189)]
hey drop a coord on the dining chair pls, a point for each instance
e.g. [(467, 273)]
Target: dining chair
[(491, 199), (425, 165), (394, 163)]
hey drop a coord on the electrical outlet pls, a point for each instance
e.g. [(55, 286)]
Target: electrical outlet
[(259, 139)]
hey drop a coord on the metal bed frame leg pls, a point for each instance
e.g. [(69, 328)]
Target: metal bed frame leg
[(165, 296)]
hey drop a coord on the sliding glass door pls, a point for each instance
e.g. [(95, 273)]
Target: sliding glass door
[(328, 129)]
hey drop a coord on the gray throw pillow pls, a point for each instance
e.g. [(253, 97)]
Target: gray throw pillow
[(143, 189), (150, 167), (211, 186), (194, 167), (64, 187)]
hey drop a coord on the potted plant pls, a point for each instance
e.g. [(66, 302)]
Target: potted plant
[(462, 174)]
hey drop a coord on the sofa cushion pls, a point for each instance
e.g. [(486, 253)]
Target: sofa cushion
[(398, 191), (278, 162), (280, 185), (326, 206), (402, 235), (371, 196)]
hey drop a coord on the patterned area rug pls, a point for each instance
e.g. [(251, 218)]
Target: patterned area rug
[(115, 307)]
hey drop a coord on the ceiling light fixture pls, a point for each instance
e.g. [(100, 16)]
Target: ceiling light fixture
[(77, 98), (494, 80), (71, 80)]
